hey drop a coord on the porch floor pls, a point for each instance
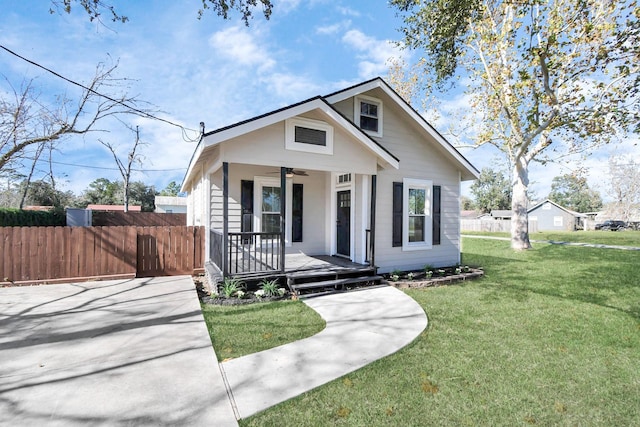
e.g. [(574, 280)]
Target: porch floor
[(302, 262)]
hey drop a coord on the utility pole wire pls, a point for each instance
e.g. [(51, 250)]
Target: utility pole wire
[(136, 110)]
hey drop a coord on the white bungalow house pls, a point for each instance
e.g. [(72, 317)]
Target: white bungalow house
[(355, 175)]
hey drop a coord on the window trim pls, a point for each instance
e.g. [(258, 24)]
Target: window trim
[(417, 184), (290, 132), (262, 181), (356, 113)]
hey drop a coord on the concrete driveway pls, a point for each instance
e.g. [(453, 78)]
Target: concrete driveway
[(128, 352)]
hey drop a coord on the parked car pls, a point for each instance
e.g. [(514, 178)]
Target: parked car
[(612, 225)]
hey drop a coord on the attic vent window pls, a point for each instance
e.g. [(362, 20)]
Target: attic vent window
[(305, 135), (308, 135), (368, 114)]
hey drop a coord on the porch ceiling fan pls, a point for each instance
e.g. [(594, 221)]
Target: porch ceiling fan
[(292, 171)]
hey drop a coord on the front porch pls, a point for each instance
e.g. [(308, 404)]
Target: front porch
[(249, 260)]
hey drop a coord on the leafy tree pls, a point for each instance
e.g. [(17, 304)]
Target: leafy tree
[(491, 191), (143, 195), (105, 192), (172, 189), (572, 191), (548, 77), (624, 187), (95, 8), (42, 193), (466, 204)]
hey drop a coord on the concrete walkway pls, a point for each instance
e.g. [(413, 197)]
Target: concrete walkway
[(362, 326), (131, 352), (137, 352)]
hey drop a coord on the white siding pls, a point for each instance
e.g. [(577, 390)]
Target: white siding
[(267, 147), (420, 158)]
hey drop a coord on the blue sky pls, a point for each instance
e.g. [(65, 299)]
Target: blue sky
[(215, 71)]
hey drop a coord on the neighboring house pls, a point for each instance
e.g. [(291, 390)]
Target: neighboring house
[(553, 217), (501, 214), (358, 174), (169, 204), (469, 214)]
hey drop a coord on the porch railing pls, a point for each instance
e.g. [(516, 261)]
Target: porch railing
[(247, 252)]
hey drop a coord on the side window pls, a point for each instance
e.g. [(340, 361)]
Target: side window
[(416, 225)]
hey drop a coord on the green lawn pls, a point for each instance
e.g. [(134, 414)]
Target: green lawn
[(549, 336), (619, 238), (239, 330)]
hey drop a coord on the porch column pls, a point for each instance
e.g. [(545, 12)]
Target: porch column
[(283, 212), (372, 226), (225, 219)]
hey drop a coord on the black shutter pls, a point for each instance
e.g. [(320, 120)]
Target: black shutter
[(437, 206), (397, 214), (296, 208), (246, 203)]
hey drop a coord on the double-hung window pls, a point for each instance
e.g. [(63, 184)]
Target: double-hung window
[(368, 114), (416, 221), (271, 209), (417, 214)]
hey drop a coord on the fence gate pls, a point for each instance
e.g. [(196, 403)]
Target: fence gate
[(167, 251)]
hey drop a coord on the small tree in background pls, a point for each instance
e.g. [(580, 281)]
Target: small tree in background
[(172, 189), (572, 191), (491, 191)]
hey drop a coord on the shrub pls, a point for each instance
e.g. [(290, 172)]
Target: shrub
[(21, 218), (269, 288), (231, 286)]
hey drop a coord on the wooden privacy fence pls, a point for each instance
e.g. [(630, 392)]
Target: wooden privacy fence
[(57, 254)]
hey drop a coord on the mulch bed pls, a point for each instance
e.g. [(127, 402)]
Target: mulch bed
[(421, 281)]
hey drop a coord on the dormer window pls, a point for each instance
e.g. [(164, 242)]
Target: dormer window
[(368, 114)]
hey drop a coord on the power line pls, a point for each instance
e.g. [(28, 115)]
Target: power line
[(102, 167), (124, 104)]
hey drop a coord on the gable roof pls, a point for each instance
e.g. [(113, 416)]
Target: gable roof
[(469, 172), (324, 104), (215, 137), (574, 213)]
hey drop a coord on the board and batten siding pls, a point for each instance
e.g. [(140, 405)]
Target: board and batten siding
[(420, 157)]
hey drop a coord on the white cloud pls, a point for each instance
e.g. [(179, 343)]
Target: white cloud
[(291, 87), (348, 11), (373, 53), (242, 46), (333, 28), (286, 6)]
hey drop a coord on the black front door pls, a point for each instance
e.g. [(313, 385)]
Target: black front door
[(343, 223)]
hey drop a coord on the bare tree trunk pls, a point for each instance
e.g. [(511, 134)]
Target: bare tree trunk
[(519, 205)]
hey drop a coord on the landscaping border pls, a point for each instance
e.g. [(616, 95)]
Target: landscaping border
[(436, 281)]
